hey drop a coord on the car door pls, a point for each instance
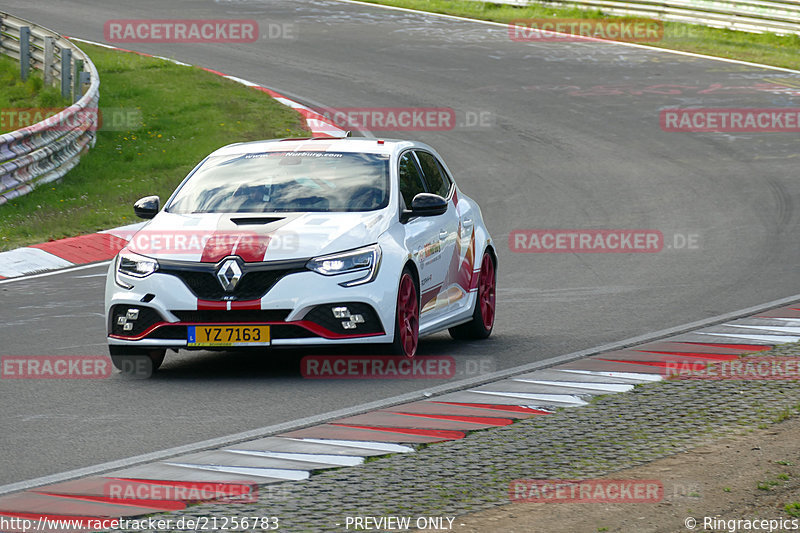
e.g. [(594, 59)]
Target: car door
[(421, 233), (442, 247)]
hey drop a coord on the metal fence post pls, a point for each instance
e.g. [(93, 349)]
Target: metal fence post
[(24, 51), (66, 72), (49, 56), (77, 91)]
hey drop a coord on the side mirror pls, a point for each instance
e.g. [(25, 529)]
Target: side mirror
[(425, 205), (147, 207)]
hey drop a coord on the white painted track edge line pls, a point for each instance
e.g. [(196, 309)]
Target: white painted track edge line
[(620, 43), (54, 272)]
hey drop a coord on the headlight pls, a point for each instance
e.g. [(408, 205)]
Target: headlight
[(366, 260), (134, 265)]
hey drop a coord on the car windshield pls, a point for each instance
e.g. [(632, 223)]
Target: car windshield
[(286, 181)]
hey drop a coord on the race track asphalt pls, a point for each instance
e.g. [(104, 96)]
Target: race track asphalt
[(572, 140)]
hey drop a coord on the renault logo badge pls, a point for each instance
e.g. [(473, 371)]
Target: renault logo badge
[(229, 274)]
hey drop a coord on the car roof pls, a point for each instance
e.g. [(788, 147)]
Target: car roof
[(370, 145)]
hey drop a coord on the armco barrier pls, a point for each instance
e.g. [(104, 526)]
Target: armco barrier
[(45, 151), (756, 16)]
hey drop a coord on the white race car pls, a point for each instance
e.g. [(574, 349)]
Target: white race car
[(303, 242)]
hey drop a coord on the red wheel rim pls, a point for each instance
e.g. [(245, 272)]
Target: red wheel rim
[(408, 315), (486, 291)]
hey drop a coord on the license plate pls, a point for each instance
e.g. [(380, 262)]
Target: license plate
[(228, 336)]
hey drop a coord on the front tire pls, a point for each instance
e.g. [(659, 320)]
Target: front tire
[(482, 323), (136, 362), (406, 326)]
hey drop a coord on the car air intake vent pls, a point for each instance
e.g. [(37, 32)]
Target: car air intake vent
[(131, 320), (253, 221), (347, 318)]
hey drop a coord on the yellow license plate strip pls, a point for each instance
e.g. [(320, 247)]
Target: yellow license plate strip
[(228, 335)]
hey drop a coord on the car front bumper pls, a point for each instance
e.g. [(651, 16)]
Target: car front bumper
[(298, 308)]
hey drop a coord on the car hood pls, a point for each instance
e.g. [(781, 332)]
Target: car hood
[(210, 237)]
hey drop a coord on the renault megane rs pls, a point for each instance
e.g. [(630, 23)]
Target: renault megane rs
[(303, 242)]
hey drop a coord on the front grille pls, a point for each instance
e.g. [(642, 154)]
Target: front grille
[(147, 317), (252, 285), (255, 281), (233, 316), (323, 315)]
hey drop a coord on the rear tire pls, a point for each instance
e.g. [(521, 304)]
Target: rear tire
[(482, 323), (136, 362), (406, 324)]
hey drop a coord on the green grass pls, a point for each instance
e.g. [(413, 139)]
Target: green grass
[(767, 48), (16, 94), (183, 113)]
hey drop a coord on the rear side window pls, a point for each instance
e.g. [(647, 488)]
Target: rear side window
[(437, 181), (410, 178)]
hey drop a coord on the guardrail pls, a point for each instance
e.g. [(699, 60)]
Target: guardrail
[(756, 16), (45, 151)]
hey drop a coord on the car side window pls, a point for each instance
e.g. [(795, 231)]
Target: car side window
[(435, 177), (410, 178)]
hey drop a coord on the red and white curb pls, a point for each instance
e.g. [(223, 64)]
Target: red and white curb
[(105, 245), (65, 253), (236, 471)]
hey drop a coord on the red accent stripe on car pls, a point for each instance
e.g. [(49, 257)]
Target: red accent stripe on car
[(143, 334), (429, 294), (206, 305), (328, 334), (246, 304), (251, 247), (218, 247)]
